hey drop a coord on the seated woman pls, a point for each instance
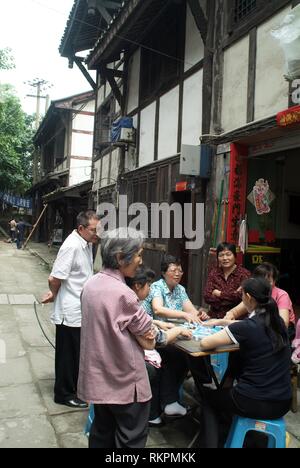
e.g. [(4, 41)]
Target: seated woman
[(167, 298), (223, 288), (281, 297), (263, 390), (166, 334)]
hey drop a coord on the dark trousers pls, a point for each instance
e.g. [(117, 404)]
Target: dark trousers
[(200, 370), (20, 240), (120, 426), (219, 407), (154, 375), (174, 370), (66, 362), (166, 381)]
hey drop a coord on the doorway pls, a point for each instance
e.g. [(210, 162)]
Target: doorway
[(273, 214)]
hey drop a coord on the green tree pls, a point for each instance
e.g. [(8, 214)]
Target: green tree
[(16, 133), (6, 59)]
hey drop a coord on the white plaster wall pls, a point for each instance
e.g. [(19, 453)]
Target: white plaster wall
[(147, 132), (192, 109), (83, 122), (168, 124), (235, 85), (97, 175), (105, 171), (101, 96), (131, 154), (115, 161), (130, 158), (271, 93), (82, 145), (107, 89), (194, 48), (80, 171), (118, 107), (134, 81)]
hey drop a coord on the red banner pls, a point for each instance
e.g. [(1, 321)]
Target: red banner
[(237, 190), (289, 117)]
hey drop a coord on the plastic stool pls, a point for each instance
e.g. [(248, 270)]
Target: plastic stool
[(90, 420), (274, 429), (219, 363)]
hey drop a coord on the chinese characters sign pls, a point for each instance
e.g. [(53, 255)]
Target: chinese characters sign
[(289, 117), (237, 190), (16, 201)]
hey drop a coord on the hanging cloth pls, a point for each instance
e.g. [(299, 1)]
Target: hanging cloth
[(243, 236)]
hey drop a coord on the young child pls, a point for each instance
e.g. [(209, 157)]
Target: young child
[(166, 333)]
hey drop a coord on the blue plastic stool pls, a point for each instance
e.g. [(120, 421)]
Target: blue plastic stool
[(219, 363), (274, 429), (90, 420)]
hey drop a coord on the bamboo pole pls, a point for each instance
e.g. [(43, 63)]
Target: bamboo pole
[(34, 227)]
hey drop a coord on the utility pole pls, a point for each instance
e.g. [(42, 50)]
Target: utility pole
[(41, 86)]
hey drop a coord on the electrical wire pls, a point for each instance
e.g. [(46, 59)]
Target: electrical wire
[(40, 325)]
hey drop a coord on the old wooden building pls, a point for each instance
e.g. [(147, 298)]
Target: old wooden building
[(257, 136), (149, 60), (63, 172), (191, 72)]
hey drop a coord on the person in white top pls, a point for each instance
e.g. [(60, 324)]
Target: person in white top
[(71, 270)]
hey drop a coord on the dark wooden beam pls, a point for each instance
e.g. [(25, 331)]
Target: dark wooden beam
[(218, 69), (116, 73), (200, 18), (108, 73), (252, 75), (84, 71), (156, 132), (208, 69)]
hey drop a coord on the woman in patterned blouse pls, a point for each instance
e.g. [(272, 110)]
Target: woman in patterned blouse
[(168, 298), (223, 288)]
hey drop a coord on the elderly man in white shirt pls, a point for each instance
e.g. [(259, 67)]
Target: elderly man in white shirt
[(71, 270)]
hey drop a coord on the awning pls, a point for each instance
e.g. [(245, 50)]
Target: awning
[(75, 191), (255, 133), (83, 29)]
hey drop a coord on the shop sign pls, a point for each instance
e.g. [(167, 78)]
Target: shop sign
[(237, 192), (289, 117), (182, 187), (17, 201)]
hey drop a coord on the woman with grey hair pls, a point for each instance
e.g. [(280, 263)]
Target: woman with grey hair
[(115, 330)]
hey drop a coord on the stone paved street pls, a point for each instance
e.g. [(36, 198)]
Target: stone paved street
[(28, 416)]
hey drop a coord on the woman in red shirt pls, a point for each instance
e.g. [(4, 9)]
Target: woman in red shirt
[(223, 288)]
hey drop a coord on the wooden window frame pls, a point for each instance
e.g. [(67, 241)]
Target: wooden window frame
[(264, 9)]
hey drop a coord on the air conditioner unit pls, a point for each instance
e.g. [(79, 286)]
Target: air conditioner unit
[(127, 135)]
